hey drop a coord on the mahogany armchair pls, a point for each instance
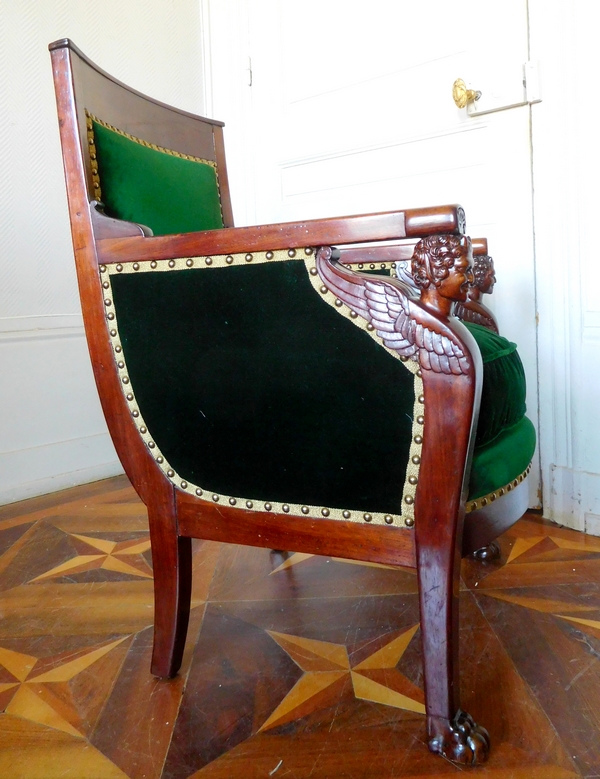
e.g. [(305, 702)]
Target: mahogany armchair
[(260, 392)]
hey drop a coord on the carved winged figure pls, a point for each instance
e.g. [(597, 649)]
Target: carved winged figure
[(417, 329), (473, 309)]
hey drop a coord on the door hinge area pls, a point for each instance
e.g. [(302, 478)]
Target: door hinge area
[(531, 81), (249, 72)]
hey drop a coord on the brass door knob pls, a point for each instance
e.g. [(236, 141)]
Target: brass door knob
[(461, 95)]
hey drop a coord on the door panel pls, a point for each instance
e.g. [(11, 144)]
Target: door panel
[(351, 111)]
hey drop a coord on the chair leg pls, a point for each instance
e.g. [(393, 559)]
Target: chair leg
[(172, 563), (486, 554), (450, 731)]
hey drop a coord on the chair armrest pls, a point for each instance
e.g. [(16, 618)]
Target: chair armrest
[(395, 252), (413, 223)]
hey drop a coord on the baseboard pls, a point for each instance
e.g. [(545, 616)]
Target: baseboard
[(574, 499), (27, 473)]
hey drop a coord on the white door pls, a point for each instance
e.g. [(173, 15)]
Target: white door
[(335, 108)]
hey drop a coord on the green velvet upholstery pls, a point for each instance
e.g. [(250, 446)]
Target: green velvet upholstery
[(165, 192), (499, 462), (503, 391), (252, 386)]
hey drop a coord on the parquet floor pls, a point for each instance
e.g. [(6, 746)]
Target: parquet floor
[(296, 666)]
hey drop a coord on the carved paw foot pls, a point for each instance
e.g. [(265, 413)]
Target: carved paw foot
[(487, 553), (460, 740)]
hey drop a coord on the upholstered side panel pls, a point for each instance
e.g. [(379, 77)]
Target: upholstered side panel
[(155, 187), (254, 387)]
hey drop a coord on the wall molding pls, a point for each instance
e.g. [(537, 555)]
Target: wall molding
[(386, 143), (40, 327), (27, 473)]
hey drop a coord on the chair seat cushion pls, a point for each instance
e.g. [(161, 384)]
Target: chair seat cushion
[(506, 439), (501, 461), (503, 391)]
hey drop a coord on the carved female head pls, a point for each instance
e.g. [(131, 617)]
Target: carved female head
[(483, 272), (442, 264)]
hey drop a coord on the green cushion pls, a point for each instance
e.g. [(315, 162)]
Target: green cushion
[(502, 460), (165, 192), (503, 391), (505, 441), (252, 386)]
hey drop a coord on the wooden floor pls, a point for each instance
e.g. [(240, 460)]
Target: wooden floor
[(296, 666)]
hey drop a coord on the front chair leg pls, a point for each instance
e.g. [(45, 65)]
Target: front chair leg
[(450, 731), (172, 563)]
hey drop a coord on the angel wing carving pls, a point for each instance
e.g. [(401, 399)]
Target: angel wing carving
[(402, 324), (471, 312)]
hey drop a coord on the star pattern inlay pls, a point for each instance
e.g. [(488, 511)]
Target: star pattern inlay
[(103, 553), (328, 668), (38, 690), (523, 545)]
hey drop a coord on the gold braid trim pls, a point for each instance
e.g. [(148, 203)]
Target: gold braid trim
[(91, 118), (214, 261), (220, 261), (93, 158), (479, 503)]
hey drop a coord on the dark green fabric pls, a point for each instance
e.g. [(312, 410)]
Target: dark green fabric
[(169, 194), (252, 386), (503, 459), (503, 391)]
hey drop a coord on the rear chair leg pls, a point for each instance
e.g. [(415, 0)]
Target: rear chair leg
[(172, 562), (487, 553)]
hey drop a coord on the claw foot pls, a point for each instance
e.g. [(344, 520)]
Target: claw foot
[(487, 553), (460, 740)]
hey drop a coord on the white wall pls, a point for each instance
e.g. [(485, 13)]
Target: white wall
[(52, 432), (566, 157)]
